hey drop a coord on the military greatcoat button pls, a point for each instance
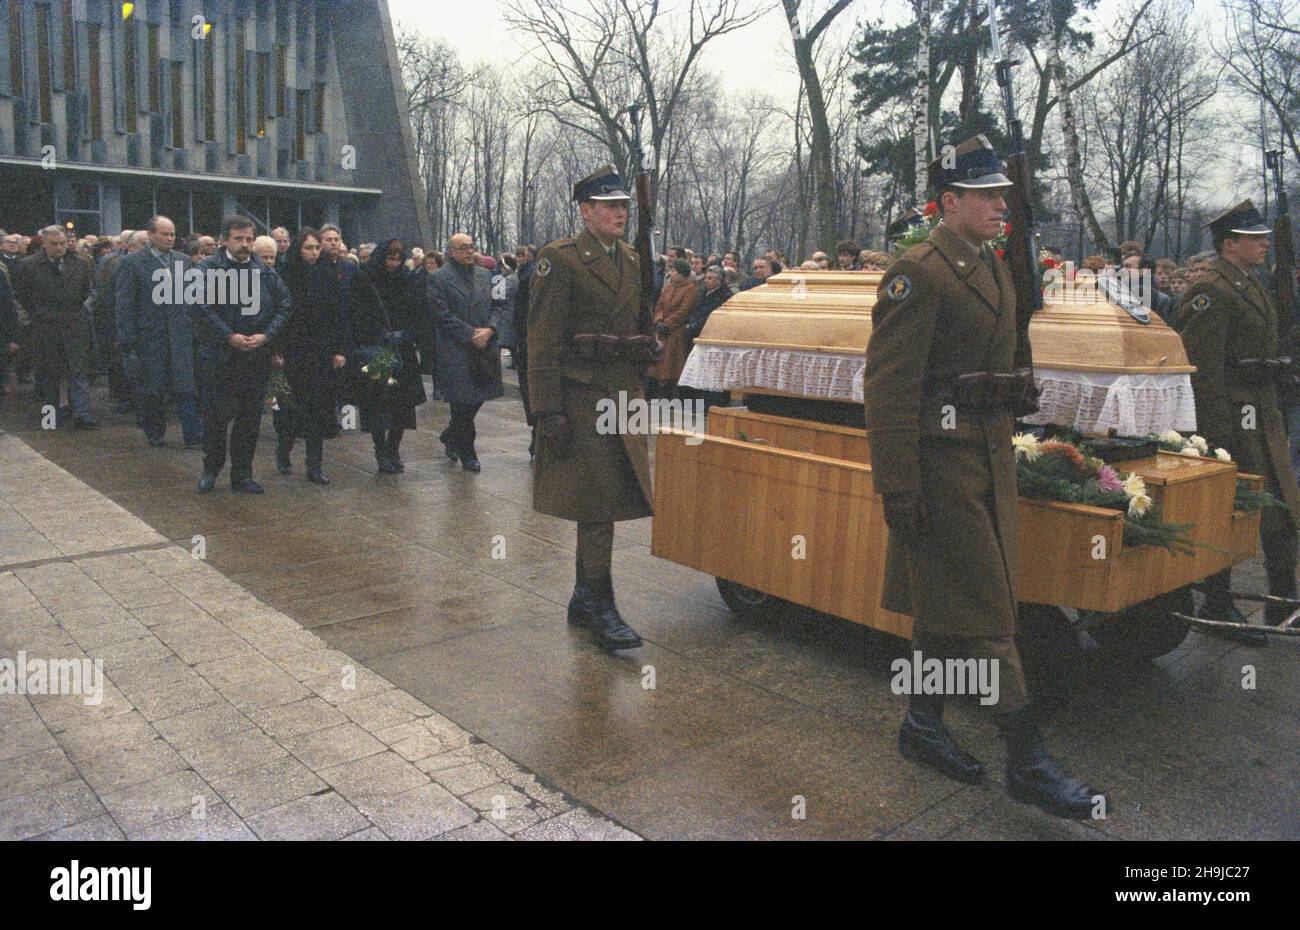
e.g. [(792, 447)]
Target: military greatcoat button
[(960, 263)]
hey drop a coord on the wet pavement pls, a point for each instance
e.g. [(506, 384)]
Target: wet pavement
[(448, 586)]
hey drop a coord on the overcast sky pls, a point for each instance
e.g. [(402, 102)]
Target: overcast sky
[(756, 59)]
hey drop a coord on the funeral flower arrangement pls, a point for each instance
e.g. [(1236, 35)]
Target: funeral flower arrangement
[(1062, 471), (1175, 442), (921, 231), (278, 391), (380, 364), (1248, 499)]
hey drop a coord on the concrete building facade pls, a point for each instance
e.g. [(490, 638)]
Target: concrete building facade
[(290, 111)]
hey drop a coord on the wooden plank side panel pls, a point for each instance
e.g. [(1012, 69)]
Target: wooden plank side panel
[(1058, 545), (734, 510)]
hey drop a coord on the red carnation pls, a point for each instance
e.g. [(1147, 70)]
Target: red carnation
[(1006, 229), (931, 209), (1002, 253)]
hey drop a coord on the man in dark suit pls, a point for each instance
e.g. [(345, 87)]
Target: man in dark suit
[(469, 357), (236, 323), (52, 287), (154, 333)]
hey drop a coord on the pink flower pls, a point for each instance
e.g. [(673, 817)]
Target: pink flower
[(1108, 479)]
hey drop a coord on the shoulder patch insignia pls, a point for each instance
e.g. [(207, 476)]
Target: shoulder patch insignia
[(543, 267), (1200, 302), (899, 287)]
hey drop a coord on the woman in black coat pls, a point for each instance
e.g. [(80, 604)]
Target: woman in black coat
[(388, 319), (314, 346)]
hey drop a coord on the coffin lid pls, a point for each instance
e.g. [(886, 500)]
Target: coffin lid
[(830, 311)]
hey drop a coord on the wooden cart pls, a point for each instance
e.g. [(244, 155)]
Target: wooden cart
[(778, 506)]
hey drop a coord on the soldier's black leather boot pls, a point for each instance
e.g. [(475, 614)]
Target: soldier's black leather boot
[(592, 606), (923, 738), (1034, 777)]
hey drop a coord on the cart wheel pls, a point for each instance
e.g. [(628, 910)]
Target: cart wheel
[(743, 600), (1149, 629), (1050, 652)]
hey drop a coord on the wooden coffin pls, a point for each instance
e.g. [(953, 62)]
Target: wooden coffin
[(830, 311), (786, 506)]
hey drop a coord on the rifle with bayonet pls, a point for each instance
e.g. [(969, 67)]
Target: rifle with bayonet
[(644, 224), (1284, 289), (1020, 254)]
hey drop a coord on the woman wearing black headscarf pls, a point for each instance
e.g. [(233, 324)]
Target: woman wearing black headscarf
[(314, 346), (388, 322)]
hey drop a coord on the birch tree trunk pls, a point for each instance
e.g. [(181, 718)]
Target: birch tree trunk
[(921, 101), (1070, 129)]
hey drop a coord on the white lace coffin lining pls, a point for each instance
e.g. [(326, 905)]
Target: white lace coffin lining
[(1091, 402)]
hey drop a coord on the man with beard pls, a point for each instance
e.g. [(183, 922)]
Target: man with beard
[(234, 359)]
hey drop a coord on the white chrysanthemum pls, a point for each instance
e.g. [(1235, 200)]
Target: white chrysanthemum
[(1172, 436), (1138, 505), (1222, 455), (365, 369), (1134, 485), (1202, 446), (1026, 446)]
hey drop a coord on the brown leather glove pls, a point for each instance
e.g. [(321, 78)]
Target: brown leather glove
[(905, 516), (554, 435)]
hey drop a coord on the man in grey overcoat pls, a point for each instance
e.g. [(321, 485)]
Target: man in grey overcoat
[(156, 336), (469, 353)]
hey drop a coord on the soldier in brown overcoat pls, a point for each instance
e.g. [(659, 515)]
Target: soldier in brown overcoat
[(944, 371), (1229, 326), (587, 349)]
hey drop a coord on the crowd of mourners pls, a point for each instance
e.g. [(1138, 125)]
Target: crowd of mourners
[(339, 325)]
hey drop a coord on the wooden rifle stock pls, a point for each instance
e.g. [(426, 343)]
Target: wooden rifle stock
[(1020, 257)]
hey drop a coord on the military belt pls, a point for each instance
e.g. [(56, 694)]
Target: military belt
[(1014, 391), (1262, 370), (611, 348)]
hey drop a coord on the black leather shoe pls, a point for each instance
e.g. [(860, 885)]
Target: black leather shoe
[(157, 443), (592, 606), (396, 461), (282, 463), (247, 486), (1043, 783), (471, 464), (86, 422), (448, 449), (930, 743), (207, 483), (1034, 777), (315, 477)]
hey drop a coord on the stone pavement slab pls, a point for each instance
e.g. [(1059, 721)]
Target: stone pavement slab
[(203, 713)]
